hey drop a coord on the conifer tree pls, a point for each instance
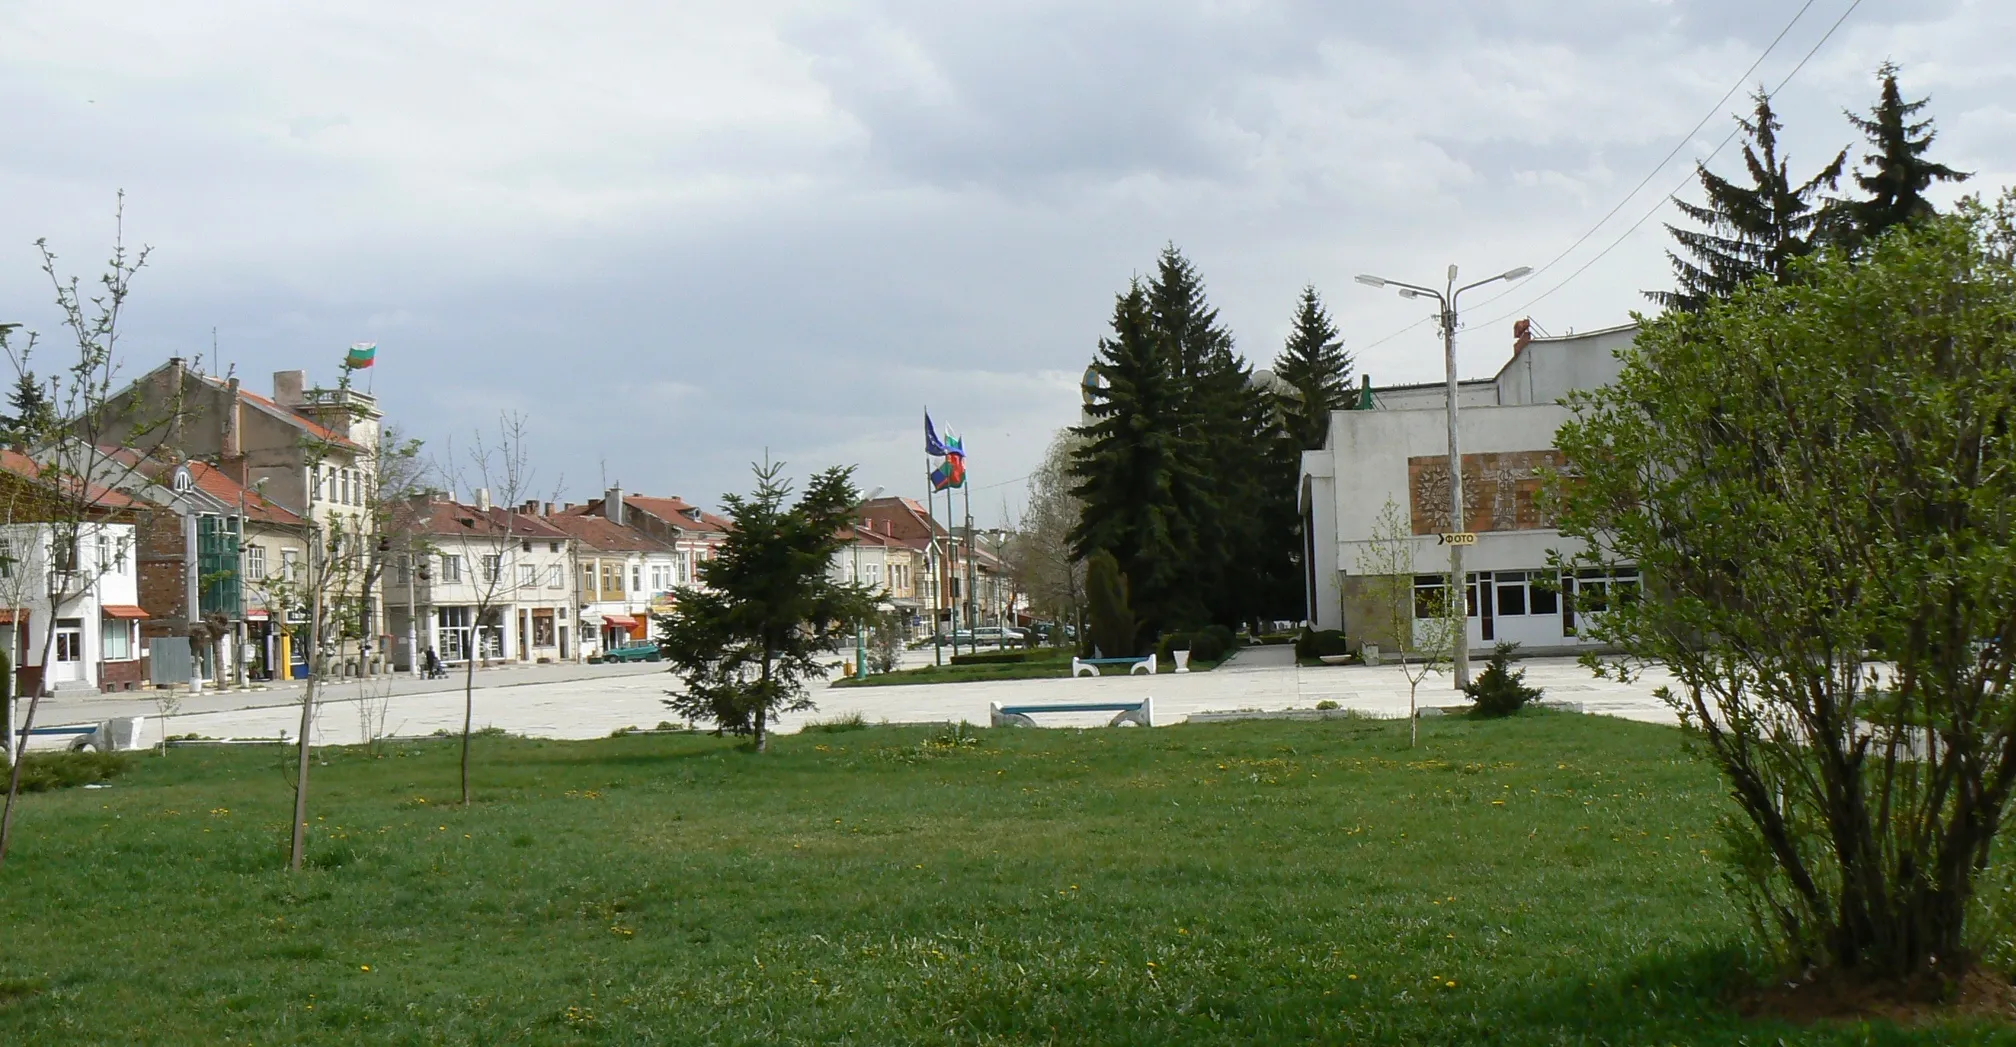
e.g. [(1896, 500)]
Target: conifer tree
[(1317, 372), (1749, 231), (1898, 173), (1136, 467)]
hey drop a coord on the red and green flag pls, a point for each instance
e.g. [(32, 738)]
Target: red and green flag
[(361, 355)]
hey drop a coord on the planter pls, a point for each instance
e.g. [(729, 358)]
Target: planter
[(1369, 652), (1182, 660), (1337, 659)]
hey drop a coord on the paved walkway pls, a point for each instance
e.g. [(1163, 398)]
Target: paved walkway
[(557, 706)]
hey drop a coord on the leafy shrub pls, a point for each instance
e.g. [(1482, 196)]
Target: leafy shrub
[(1326, 705), (1212, 643), (1113, 623), (1315, 643), (41, 772), (1171, 642), (1272, 638), (990, 658), (1500, 690)]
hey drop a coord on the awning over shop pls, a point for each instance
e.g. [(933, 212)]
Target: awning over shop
[(619, 621), (122, 610)]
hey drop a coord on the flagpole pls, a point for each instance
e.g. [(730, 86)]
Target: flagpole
[(933, 563)]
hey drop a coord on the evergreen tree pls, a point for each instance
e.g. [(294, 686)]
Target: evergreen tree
[(1317, 372), (767, 610), (33, 414), (1137, 468), (1898, 173), (1750, 231)]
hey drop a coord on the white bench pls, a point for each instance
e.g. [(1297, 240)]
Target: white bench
[(1141, 713), (1090, 666)]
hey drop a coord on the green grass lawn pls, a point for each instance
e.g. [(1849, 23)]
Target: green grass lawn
[(1540, 880)]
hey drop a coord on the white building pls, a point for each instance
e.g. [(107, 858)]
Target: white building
[(97, 638), (497, 582), (1398, 450)]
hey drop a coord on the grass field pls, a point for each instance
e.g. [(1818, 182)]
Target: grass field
[(1540, 880)]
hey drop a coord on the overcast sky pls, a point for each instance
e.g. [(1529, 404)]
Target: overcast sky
[(677, 234)]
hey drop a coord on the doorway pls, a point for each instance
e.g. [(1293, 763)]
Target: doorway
[(69, 654)]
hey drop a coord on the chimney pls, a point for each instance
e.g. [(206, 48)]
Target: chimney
[(231, 448), (612, 504), (531, 508), (482, 499), (549, 509), (287, 387)]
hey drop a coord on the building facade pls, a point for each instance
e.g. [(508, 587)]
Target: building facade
[(1396, 453)]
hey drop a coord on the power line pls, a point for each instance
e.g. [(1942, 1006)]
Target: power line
[(1713, 111), (1642, 219)]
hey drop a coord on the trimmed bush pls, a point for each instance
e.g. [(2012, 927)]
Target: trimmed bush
[(1316, 643), (1213, 643), (990, 658), (1113, 623), (1500, 690), (1172, 642), (41, 772)]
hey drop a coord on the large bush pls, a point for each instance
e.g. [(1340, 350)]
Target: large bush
[(1816, 480), (1113, 625), (1316, 643)]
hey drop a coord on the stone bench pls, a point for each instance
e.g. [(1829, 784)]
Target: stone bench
[(1144, 666), (1141, 713), (115, 735)]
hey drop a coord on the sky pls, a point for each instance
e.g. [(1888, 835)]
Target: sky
[(679, 237)]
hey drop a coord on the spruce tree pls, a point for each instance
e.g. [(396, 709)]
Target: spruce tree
[(1317, 372), (33, 414), (1753, 231), (1898, 173), (1137, 468)]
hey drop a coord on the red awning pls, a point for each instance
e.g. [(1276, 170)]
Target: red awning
[(122, 610), (7, 615), (619, 621)]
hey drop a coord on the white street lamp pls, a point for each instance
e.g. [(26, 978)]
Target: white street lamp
[(860, 628), (1458, 583)]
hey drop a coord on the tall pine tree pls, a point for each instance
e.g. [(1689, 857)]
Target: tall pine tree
[(1898, 173), (1137, 468), (1749, 231), (1317, 372)]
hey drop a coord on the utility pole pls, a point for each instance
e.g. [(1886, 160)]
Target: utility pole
[(1458, 588)]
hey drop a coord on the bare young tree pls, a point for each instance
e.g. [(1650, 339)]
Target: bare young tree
[(1039, 557), (69, 481), (501, 467), (1422, 626)]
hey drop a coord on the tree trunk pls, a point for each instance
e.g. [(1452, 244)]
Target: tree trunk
[(298, 838), (20, 744), (468, 709)]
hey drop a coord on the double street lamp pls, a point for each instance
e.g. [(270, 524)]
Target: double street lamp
[(1458, 520)]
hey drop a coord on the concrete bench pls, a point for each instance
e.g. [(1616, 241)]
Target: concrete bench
[(121, 734), (1141, 712), (1090, 666)]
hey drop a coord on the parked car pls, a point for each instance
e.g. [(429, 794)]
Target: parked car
[(999, 636), (644, 651)]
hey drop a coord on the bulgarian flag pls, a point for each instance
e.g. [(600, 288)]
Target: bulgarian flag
[(361, 355)]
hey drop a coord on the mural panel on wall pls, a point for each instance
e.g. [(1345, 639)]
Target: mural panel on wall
[(1499, 488)]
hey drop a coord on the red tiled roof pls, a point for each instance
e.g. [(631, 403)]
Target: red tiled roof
[(454, 518), (678, 512), (600, 534), (97, 495), (307, 425)]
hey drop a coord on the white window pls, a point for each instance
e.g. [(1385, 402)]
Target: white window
[(493, 567), (451, 568), (556, 577), (118, 635), (873, 573), (661, 578), (636, 578), (528, 576), (6, 559), (290, 565), (255, 562)]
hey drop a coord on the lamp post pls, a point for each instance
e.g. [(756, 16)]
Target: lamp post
[(860, 628), (1458, 583)]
